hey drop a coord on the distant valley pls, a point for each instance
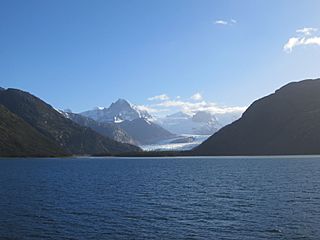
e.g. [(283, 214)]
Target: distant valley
[(31, 127), (132, 125)]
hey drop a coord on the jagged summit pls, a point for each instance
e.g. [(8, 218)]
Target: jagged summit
[(137, 122), (42, 131), (122, 103), (118, 111)]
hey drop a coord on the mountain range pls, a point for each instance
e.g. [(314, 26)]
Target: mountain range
[(200, 123), (117, 112), (285, 122), (145, 129), (107, 129), (31, 127), (138, 125)]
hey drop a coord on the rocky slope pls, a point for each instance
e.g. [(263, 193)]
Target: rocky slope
[(285, 122), (18, 138), (136, 123), (110, 130), (145, 132), (67, 135)]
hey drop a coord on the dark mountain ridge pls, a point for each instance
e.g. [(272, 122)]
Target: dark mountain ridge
[(284, 123), (144, 131), (18, 138), (64, 133)]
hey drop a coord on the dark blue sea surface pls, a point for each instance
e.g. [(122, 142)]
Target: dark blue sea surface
[(160, 198)]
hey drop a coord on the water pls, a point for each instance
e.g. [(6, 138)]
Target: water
[(169, 198)]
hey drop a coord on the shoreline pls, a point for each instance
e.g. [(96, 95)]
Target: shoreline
[(164, 155)]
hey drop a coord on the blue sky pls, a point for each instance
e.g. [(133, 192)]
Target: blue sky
[(81, 54)]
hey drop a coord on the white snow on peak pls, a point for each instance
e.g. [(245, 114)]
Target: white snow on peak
[(100, 108), (117, 112), (147, 121), (117, 120)]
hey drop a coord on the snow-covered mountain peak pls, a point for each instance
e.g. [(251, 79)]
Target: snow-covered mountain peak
[(120, 104), (99, 108), (120, 110), (200, 123), (203, 117), (179, 115), (143, 113)]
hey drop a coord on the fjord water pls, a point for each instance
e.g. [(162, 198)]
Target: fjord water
[(160, 198)]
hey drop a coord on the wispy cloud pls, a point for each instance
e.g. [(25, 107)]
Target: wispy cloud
[(307, 31), (225, 22), (196, 97), (233, 21), (146, 108), (307, 38), (192, 107), (221, 22), (159, 97), (194, 104), (292, 42)]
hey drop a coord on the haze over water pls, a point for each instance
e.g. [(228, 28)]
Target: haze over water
[(169, 198)]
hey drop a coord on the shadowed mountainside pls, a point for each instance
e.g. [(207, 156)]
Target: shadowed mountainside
[(18, 138), (283, 123), (144, 131), (64, 133), (110, 130)]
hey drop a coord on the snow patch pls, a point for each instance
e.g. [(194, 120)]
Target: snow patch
[(168, 146)]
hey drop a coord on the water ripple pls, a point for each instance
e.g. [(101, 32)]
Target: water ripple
[(178, 198)]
